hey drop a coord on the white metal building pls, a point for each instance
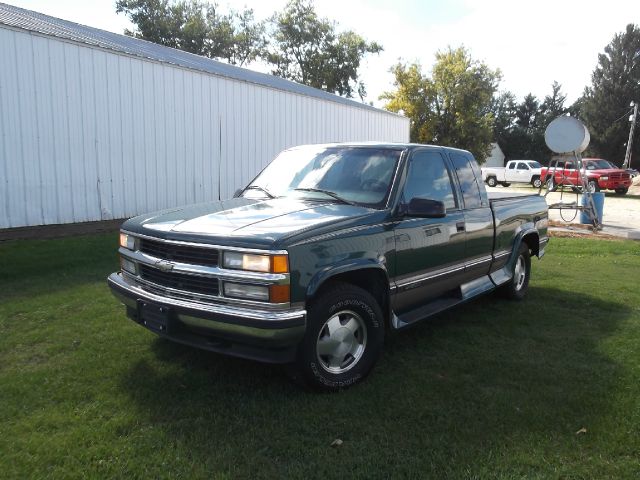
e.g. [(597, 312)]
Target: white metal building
[(495, 158), (96, 125)]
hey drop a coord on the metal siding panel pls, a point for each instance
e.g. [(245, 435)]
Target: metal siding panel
[(75, 132), (148, 137), (190, 128), (114, 136), (178, 93), (170, 138), (235, 136), (137, 136), (159, 151), (102, 144), (13, 211), (199, 129), (26, 111), (131, 187), (225, 154)]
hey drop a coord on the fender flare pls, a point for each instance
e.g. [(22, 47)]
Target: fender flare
[(348, 266)]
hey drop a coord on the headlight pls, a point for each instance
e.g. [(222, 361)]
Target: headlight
[(256, 263), (127, 241), (604, 178), (249, 292)]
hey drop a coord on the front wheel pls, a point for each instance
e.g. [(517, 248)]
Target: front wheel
[(592, 186), (536, 182), (517, 287), (551, 185), (343, 341), (506, 184)]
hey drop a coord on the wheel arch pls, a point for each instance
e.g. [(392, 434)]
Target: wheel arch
[(369, 276)]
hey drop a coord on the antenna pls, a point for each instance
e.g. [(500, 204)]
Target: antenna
[(568, 135)]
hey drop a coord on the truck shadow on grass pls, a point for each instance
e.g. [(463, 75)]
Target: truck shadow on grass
[(490, 385)]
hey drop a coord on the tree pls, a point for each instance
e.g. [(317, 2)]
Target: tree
[(308, 50), (519, 128), (615, 82), (197, 27), (452, 106), (553, 105)]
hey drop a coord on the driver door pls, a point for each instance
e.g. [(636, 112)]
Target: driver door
[(429, 251)]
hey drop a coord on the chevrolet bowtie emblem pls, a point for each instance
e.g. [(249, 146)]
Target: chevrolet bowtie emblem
[(164, 265)]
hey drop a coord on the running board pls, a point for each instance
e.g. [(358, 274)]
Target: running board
[(465, 292)]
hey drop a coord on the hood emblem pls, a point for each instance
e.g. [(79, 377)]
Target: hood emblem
[(164, 266)]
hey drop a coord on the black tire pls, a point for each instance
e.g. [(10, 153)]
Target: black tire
[(505, 184), (621, 191), (592, 186), (536, 182), (516, 288), (492, 181), (346, 303), (551, 184)]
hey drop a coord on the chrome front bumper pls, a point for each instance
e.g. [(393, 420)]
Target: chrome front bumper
[(265, 335)]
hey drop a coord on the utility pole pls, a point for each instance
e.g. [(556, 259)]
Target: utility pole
[(632, 119)]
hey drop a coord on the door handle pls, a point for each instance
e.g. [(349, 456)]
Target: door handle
[(460, 227)]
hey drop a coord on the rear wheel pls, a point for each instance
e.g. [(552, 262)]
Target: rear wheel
[(343, 341), (505, 184), (492, 182), (536, 182), (517, 287), (621, 191)]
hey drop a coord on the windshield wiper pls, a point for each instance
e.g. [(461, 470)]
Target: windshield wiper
[(262, 189), (326, 192)]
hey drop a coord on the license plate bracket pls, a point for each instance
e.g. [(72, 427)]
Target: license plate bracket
[(154, 316)]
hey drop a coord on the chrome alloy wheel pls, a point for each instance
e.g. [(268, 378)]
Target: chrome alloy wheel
[(341, 342), (520, 273)]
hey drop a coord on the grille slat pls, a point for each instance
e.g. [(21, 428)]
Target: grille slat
[(180, 281), (180, 253)]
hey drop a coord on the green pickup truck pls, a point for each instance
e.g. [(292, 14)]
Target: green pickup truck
[(326, 249)]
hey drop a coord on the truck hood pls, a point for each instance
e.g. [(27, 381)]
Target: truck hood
[(246, 222), (607, 171)]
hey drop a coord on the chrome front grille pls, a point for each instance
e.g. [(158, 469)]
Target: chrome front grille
[(180, 281), (180, 253)]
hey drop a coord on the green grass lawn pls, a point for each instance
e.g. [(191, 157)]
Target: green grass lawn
[(494, 389)]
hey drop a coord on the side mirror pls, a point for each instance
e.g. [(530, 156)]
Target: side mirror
[(425, 208), (237, 193)]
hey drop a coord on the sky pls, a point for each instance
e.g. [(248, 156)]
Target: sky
[(532, 43)]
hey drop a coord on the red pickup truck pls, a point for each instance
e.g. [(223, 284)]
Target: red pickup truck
[(601, 175)]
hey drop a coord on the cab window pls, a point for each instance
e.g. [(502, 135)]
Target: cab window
[(468, 173), (522, 166), (512, 166), (428, 177)]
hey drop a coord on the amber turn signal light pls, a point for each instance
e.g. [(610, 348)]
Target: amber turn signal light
[(279, 264), (279, 293)]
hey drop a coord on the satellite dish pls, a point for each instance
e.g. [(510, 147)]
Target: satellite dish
[(566, 135)]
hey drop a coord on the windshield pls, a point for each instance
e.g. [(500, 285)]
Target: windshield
[(534, 165), (348, 174), (598, 164)]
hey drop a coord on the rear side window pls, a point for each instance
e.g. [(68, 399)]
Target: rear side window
[(428, 177), (512, 166), (468, 173)]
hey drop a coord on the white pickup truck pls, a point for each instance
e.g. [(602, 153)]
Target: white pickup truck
[(516, 171)]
